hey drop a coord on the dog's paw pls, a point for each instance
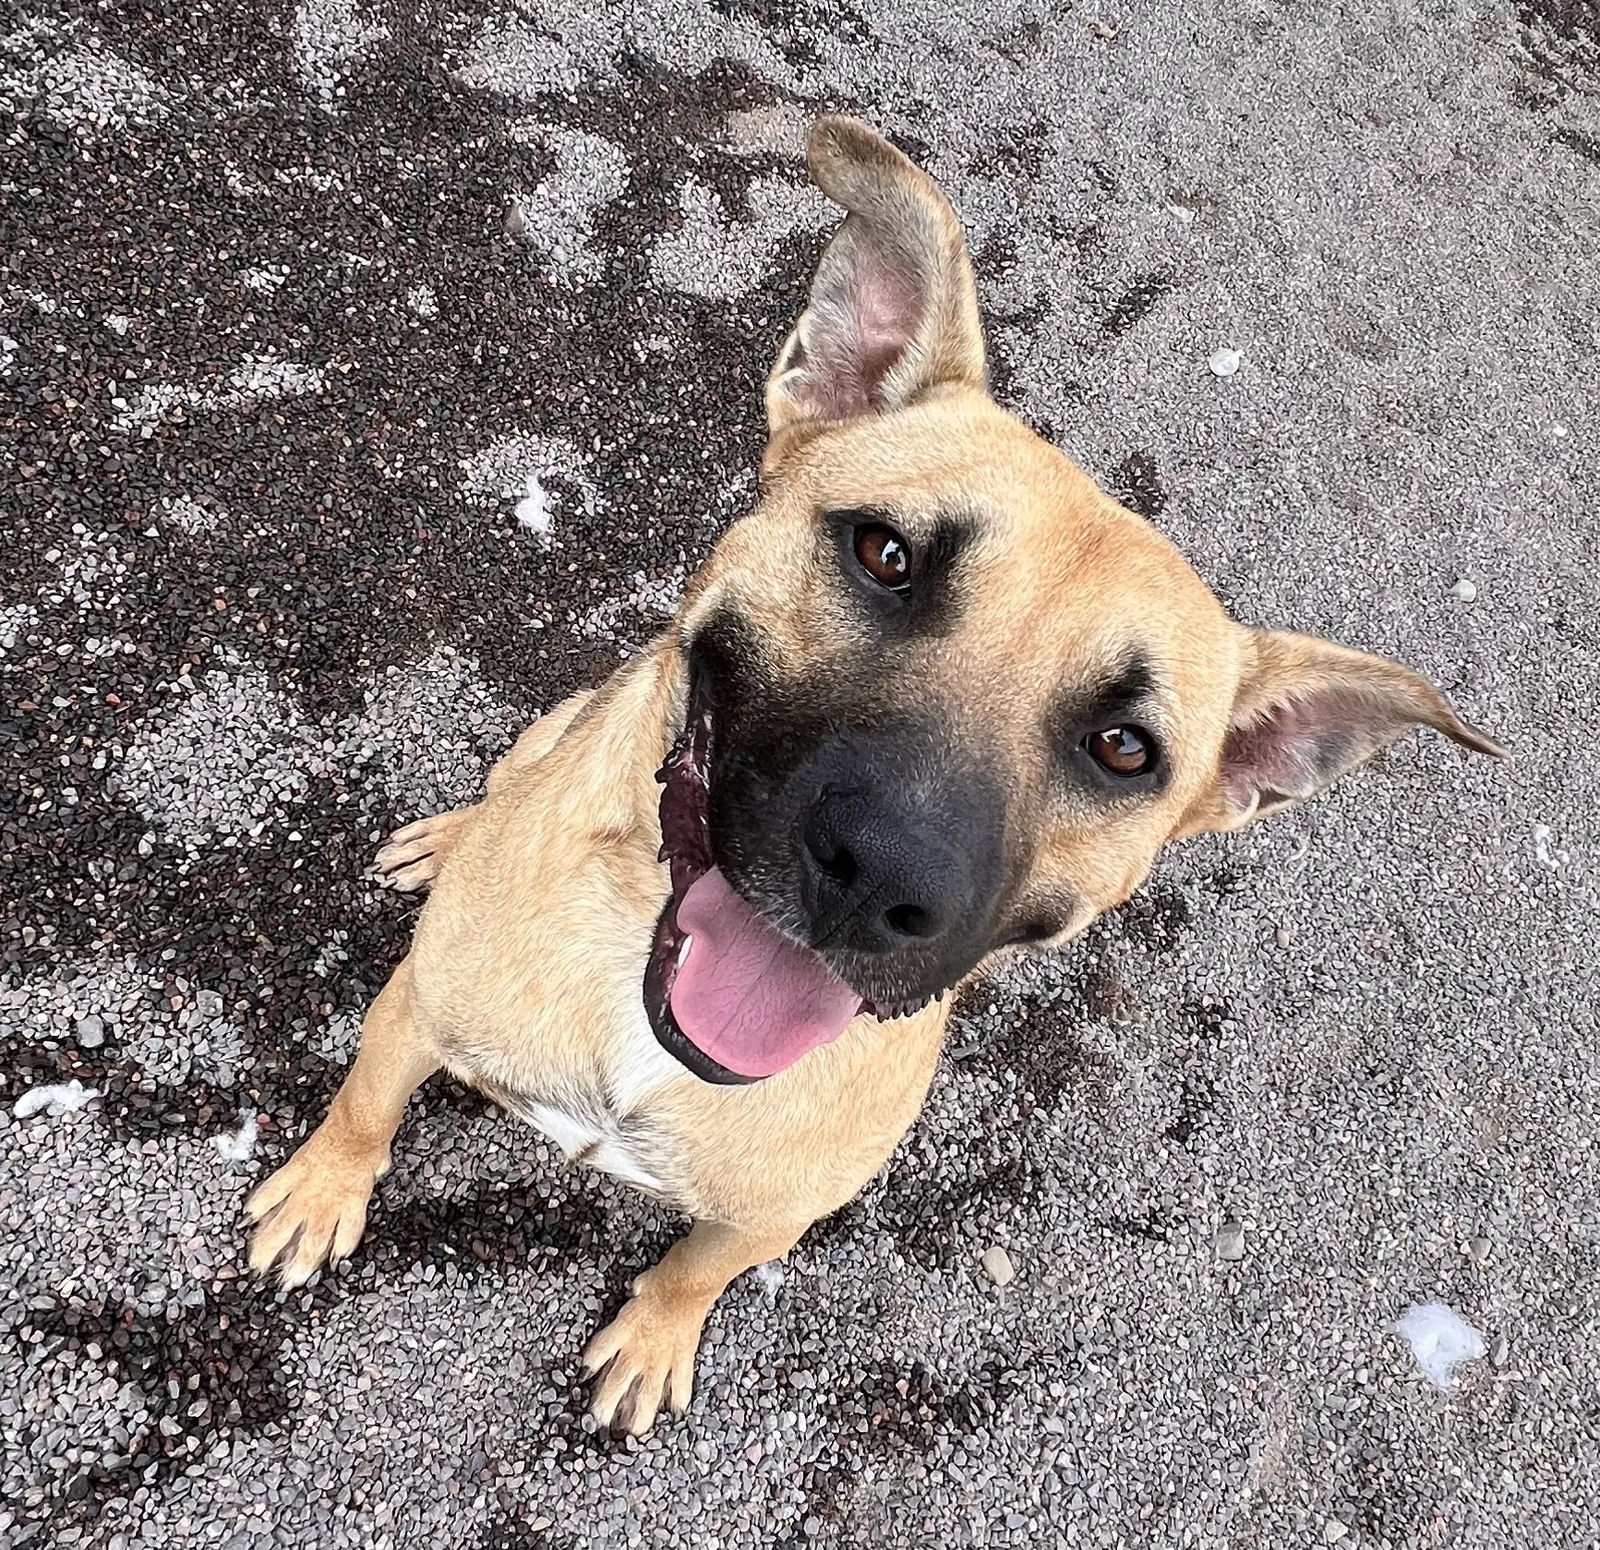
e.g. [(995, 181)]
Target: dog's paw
[(410, 858), (311, 1212), (645, 1362)]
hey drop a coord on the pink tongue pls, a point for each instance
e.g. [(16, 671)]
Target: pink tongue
[(746, 995)]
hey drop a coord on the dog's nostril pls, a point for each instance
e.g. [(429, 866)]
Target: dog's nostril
[(908, 920), (835, 861), (841, 866)]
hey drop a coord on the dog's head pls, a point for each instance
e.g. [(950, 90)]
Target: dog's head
[(944, 694)]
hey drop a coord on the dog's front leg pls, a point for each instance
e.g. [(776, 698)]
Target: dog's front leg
[(645, 1356), (314, 1208)]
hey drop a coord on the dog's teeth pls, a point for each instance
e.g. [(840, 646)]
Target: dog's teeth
[(683, 952)]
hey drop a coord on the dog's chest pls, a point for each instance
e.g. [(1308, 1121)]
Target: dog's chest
[(597, 1108), (596, 1142)]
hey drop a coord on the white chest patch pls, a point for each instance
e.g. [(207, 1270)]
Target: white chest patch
[(593, 1144)]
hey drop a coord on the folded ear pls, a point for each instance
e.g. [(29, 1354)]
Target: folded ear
[(893, 311), (1306, 712)]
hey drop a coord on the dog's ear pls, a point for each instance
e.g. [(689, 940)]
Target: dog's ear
[(893, 311), (1307, 711)]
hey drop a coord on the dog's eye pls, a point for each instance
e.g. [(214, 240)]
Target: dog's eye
[(1122, 750), (885, 556)]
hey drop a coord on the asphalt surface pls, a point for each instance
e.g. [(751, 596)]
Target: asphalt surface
[(371, 377)]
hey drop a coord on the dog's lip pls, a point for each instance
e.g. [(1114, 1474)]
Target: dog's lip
[(660, 969), (685, 778), (687, 850)]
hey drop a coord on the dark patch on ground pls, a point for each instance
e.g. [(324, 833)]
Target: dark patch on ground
[(1585, 145), (25, 1062), (877, 1413), (1560, 40), (1021, 156), (341, 555), (1156, 918), (1043, 1044), (1136, 482), (1136, 303), (1226, 881), (1104, 178), (1152, 1226), (1206, 1022), (507, 1533), (444, 1094), (982, 1398), (203, 1373), (905, 1410), (486, 1228), (1196, 1100), (1204, 1025), (137, 1109), (826, 1489), (792, 25), (1021, 42), (1373, 1507), (925, 1215)]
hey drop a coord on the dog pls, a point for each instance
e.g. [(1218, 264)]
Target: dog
[(935, 698)]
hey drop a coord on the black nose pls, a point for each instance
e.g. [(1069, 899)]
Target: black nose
[(879, 877)]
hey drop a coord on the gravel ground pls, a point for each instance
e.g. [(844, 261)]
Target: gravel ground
[(371, 376)]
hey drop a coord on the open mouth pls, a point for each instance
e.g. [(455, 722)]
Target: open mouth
[(726, 992)]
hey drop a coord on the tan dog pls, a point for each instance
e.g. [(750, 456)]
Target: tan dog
[(935, 696)]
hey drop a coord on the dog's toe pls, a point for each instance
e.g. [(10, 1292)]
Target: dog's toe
[(415, 829), (406, 876)]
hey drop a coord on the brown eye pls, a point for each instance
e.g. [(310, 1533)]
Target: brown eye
[(885, 556), (1122, 750)]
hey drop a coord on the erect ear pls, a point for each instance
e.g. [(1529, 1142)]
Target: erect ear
[(1306, 712), (893, 311)]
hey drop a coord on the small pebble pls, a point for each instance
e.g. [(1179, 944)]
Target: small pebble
[(1229, 1241), (1499, 1351), (1333, 1531), (1283, 936), (1225, 362), (998, 1267), (1465, 590), (90, 1032), (1478, 1248)]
